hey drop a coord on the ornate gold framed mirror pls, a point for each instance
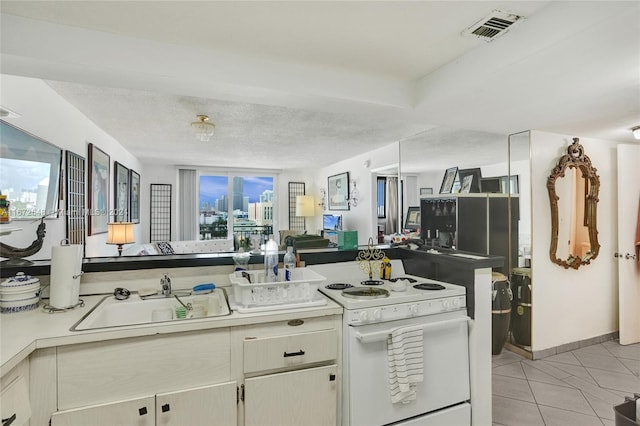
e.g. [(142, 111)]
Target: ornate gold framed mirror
[(573, 188)]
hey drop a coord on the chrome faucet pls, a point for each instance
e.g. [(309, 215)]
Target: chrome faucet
[(165, 281)]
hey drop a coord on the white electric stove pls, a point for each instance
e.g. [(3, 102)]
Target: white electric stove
[(372, 311), (376, 300)]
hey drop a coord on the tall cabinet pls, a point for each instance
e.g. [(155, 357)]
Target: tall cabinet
[(479, 223)]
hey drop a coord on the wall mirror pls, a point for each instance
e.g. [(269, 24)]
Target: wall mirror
[(573, 187), (31, 173)]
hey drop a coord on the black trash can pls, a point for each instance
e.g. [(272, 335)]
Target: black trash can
[(626, 412), (521, 306), (500, 311)]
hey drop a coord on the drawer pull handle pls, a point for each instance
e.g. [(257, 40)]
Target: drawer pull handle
[(299, 353), (165, 408), (332, 377), (142, 411), (9, 420)]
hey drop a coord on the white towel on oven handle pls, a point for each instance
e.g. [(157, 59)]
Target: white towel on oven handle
[(406, 365)]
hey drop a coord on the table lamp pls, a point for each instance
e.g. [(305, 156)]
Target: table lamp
[(120, 233), (305, 206)]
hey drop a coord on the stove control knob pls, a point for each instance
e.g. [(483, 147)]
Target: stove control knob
[(456, 303), (363, 316), (413, 309), (446, 305), (377, 314)]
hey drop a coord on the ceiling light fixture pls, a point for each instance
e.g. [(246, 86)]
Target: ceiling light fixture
[(203, 128), (636, 132)]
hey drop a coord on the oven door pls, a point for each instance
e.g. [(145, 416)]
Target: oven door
[(446, 370)]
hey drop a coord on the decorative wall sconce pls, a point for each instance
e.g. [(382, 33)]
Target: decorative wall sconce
[(636, 132), (323, 195), (354, 194)]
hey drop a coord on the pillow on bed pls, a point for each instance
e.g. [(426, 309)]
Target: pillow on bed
[(165, 248)]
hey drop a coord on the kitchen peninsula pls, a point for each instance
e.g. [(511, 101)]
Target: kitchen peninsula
[(40, 347)]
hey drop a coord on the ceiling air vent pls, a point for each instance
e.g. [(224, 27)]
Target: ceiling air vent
[(492, 26)]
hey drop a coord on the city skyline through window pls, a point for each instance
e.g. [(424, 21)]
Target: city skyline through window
[(238, 206), (216, 188)]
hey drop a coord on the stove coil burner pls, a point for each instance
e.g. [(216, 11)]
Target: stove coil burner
[(429, 286), (338, 286), (411, 280), (372, 282), (365, 293)]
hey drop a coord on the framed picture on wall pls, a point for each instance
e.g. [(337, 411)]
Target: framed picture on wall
[(134, 196), (466, 184), (448, 179), (121, 193), (98, 191), (472, 178), (339, 191)]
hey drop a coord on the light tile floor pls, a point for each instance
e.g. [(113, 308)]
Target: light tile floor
[(578, 388)]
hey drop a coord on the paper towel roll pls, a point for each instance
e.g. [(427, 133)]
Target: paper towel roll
[(66, 263)]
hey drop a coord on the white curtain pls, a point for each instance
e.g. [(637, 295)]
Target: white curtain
[(187, 205), (391, 221)]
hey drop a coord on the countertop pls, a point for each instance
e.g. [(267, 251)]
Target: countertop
[(24, 332)]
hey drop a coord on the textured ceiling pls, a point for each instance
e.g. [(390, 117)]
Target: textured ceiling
[(246, 135), (304, 84)]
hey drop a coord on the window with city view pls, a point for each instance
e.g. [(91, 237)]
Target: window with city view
[(247, 200)]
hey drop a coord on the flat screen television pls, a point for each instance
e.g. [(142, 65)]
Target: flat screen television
[(412, 221), (332, 222)]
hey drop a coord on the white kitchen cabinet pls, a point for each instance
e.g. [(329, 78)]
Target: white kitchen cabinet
[(194, 378), (172, 379), (291, 372), (99, 372), (132, 412), (211, 405), (15, 405), (295, 398), (207, 405)]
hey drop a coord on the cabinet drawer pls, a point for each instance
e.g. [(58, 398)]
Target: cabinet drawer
[(269, 353)]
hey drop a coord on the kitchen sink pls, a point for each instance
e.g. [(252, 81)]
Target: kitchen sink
[(110, 312)]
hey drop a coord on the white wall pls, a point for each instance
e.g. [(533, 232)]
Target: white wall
[(572, 305), (363, 217), (48, 116)]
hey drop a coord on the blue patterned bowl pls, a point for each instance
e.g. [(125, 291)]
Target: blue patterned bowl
[(14, 306)]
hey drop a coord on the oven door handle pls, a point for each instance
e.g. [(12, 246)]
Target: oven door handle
[(382, 335)]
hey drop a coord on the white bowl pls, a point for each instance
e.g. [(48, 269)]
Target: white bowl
[(14, 306)]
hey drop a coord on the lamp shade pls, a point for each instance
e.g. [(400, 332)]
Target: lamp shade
[(120, 233), (305, 206)]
